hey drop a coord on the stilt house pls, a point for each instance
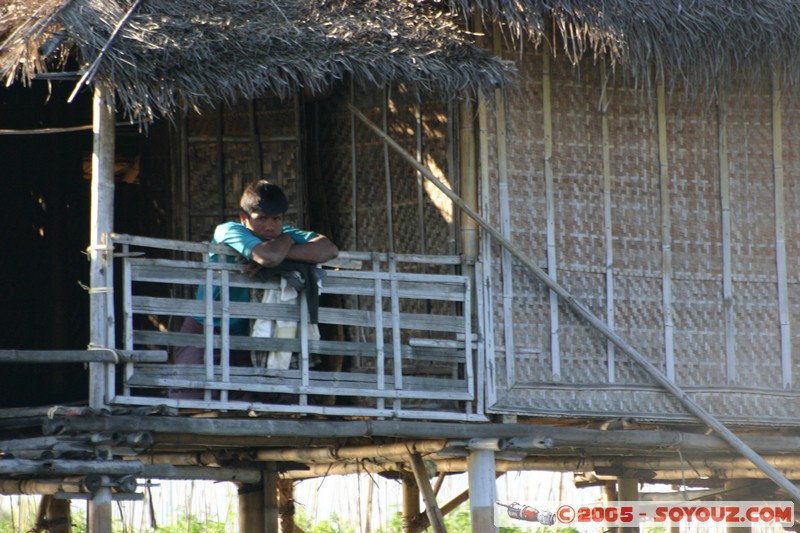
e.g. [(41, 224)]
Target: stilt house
[(568, 236)]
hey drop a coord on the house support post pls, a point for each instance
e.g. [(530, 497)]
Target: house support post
[(258, 505), (286, 502), (54, 515), (101, 225), (628, 491), (100, 311), (411, 509), (482, 490), (100, 508)]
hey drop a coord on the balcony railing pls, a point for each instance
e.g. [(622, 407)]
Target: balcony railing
[(396, 336)]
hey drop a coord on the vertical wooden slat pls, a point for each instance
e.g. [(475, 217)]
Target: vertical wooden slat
[(208, 329), (379, 341), (608, 231), (780, 239), (111, 333), (468, 363), (505, 223), (225, 333), (304, 355), (666, 232), (727, 274), (552, 266), (397, 356), (127, 313)]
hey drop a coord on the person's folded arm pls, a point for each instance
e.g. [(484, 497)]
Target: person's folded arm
[(272, 253), (318, 250)]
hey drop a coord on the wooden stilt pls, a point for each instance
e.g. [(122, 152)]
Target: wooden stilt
[(628, 491), (286, 505), (411, 508), (482, 490), (258, 505), (101, 225), (57, 516), (100, 509)]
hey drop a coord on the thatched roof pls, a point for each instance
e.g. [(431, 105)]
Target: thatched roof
[(169, 54), (696, 43), (174, 53)]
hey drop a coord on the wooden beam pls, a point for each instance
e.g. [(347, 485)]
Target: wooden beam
[(563, 437), (432, 511), (105, 355)]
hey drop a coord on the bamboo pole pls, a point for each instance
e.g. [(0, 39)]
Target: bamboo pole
[(600, 326), (666, 232), (780, 232), (505, 220), (101, 312), (391, 451), (725, 206), (467, 181), (101, 225), (432, 511), (608, 232), (171, 428), (549, 191), (97, 355), (483, 492)]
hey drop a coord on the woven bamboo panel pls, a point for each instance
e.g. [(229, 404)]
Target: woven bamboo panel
[(372, 204), (239, 170), (766, 407), (700, 342), (758, 350), (577, 167), (695, 210), (204, 183), (695, 247)]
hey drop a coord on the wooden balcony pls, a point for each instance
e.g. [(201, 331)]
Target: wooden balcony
[(396, 336)]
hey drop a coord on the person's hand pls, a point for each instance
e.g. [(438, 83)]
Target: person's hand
[(251, 268)]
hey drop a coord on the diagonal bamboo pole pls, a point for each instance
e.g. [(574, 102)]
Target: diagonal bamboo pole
[(693, 407)]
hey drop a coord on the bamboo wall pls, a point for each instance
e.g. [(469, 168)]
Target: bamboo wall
[(674, 220)]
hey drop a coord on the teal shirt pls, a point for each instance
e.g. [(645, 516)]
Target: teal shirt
[(243, 241)]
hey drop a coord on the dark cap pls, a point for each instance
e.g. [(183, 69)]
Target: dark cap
[(264, 197)]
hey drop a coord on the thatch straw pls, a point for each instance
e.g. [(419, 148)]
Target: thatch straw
[(177, 53), (694, 43)]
